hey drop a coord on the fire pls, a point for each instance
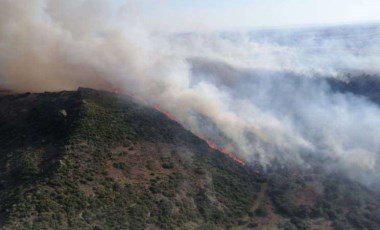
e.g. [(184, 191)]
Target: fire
[(118, 90), (166, 113), (211, 144), (233, 156), (226, 152)]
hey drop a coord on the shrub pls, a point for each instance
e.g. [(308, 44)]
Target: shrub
[(261, 212), (167, 165)]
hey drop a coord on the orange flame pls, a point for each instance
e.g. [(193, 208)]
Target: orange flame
[(118, 90), (166, 113), (211, 144), (226, 152)]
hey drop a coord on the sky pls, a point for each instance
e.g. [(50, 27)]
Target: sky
[(184, 15)]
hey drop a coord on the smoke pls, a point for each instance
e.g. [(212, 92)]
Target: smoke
[(264, 95)]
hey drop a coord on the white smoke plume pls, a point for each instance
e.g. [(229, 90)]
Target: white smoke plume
[(265, 91)]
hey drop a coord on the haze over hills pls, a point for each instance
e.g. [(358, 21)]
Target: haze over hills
[(92, 159)]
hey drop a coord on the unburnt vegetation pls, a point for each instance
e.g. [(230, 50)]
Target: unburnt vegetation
[(95, 160)]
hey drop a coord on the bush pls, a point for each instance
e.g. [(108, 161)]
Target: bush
[(299, 223), (168, 165), (120, 165), (261, 212)]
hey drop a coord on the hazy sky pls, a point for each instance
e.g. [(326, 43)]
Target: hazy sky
[(228, 14)]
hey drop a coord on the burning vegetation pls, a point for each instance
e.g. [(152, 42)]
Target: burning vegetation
[(170, 116), (226, 152), (114, 163)]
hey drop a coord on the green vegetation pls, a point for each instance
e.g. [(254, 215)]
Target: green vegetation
[(111, 163)]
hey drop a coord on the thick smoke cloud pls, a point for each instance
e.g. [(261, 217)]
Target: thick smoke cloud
[(264, 95)]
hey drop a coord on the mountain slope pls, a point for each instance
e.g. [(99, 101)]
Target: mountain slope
[(96, 160), (92, 159)]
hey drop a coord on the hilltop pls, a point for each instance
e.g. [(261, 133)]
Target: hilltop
[(91, 159)]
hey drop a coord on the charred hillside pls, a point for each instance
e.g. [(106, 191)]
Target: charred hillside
[(91, 159)]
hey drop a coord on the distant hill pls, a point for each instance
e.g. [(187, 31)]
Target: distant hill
[(364, 85), (5, 92), (92, 159)]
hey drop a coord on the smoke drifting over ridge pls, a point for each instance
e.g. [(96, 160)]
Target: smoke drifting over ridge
[(267, 92)]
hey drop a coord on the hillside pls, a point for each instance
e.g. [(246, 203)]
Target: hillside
[(362, 84), (91, 159)]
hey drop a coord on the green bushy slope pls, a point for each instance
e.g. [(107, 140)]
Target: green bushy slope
[(95, 160)]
